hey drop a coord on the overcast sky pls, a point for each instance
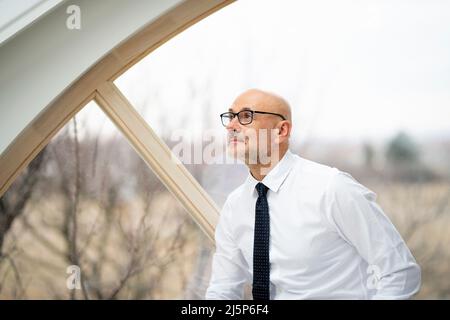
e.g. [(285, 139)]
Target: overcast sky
[(350, 69)]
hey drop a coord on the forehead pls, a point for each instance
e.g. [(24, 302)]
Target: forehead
[(234, 109), (251, 101)]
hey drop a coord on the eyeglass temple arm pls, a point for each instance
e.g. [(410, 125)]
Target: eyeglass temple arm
[(275, 114)]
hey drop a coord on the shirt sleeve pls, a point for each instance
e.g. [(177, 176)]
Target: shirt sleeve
[(229, 268), (392, 271)]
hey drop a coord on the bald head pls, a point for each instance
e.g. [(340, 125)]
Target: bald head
[(264, 101)]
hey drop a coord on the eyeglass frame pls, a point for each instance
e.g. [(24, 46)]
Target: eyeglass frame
[(248, 110)]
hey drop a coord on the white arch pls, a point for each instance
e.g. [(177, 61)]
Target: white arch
[(68, 68)]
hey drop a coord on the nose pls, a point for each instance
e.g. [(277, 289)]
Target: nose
[(234, 124)]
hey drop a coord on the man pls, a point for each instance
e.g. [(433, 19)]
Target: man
[(297, 229)]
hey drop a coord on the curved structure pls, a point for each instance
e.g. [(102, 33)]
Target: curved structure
[(49, 72)]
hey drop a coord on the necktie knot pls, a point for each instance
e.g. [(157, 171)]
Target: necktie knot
[(262, 189)]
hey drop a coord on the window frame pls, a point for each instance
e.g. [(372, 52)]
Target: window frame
[(97, 84)]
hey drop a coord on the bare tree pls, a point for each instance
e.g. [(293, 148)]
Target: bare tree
[(12, 206)]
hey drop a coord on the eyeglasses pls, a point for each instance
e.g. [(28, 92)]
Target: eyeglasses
[(244, 116)]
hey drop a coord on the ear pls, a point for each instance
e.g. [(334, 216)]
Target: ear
[(276, 133), (284, 130)]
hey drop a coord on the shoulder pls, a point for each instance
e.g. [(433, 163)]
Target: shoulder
[(316, 169), (343, 186), (235, 195), (309, 175), (327, 181)]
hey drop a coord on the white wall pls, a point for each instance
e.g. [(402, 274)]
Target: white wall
[(39, 62), (17, 15)]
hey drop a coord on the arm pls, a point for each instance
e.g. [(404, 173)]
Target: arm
[(229, 269), (352, 209)]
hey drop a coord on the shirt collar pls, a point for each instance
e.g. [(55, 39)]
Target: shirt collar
[(276, 176)]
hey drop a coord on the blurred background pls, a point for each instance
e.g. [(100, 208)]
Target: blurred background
[(369, 86)]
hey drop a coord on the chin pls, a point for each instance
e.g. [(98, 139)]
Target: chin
[(237, 152)]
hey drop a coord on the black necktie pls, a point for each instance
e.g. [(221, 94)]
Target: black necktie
[(261, 265)]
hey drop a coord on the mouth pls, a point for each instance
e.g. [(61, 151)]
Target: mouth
[(234, 141)]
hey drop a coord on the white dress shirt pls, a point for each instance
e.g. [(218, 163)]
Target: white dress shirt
[(329, 239)]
